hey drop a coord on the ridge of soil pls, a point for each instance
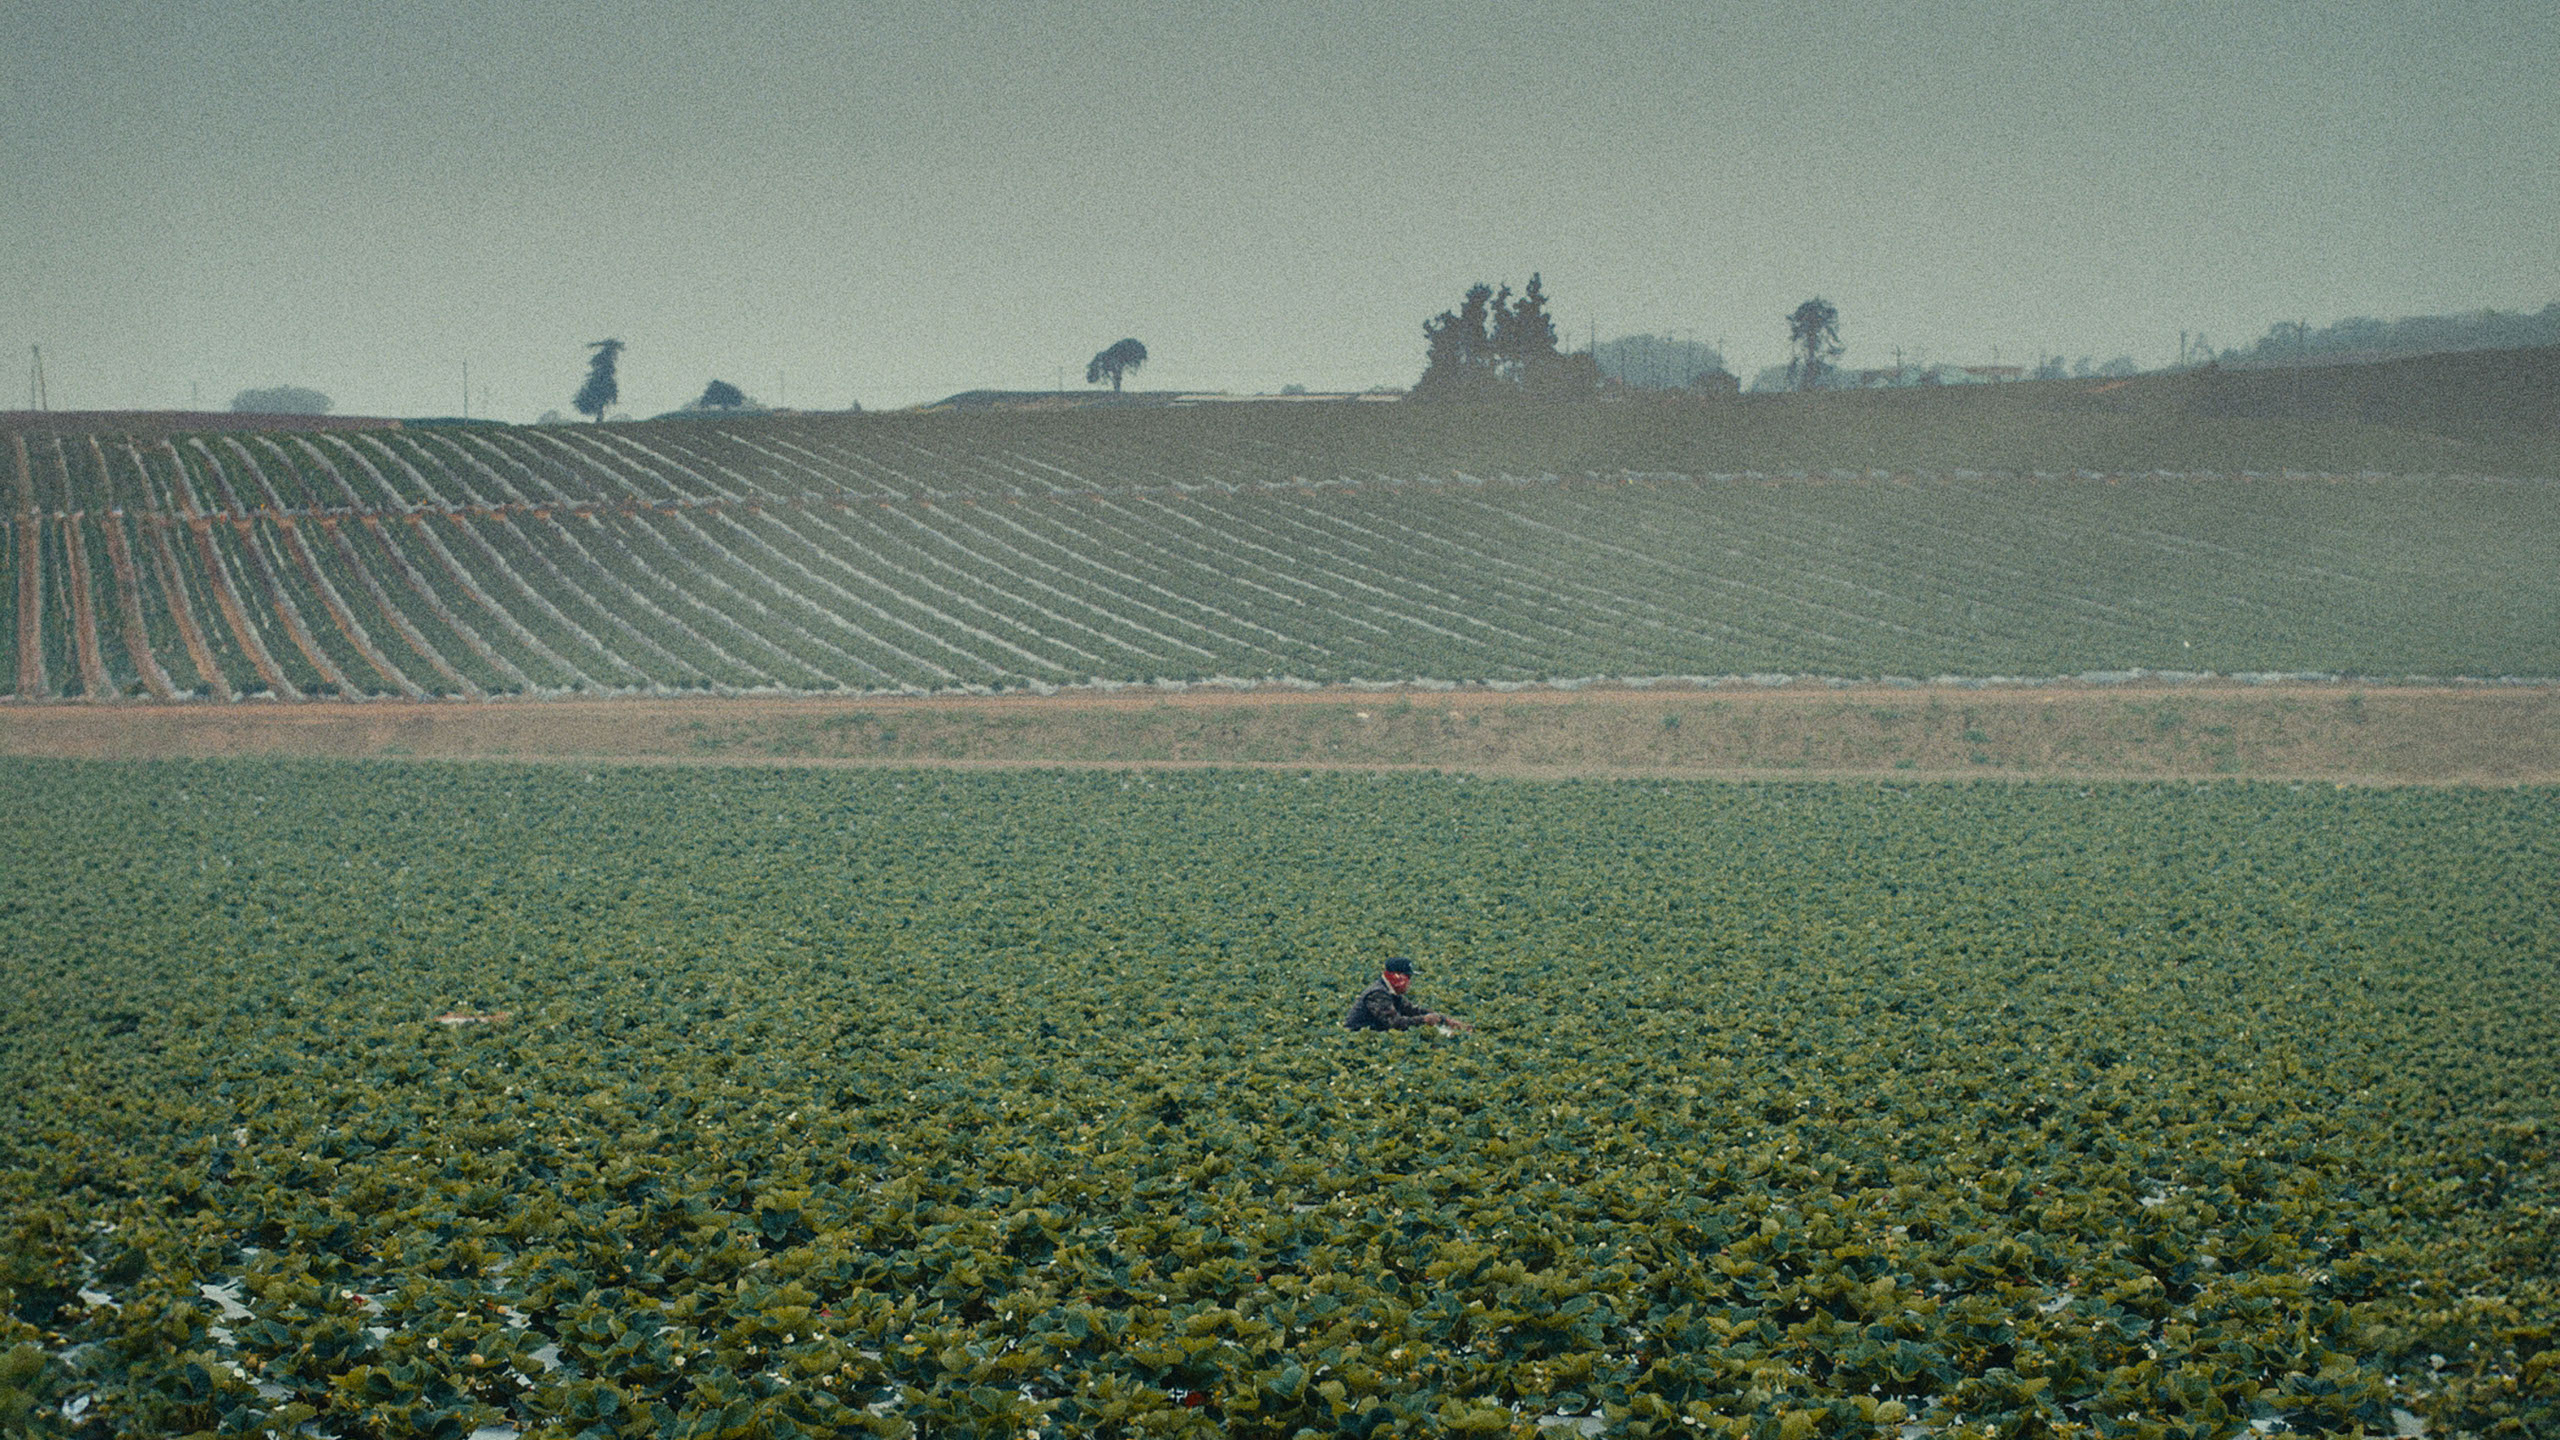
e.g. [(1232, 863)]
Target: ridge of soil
[(2311, 731)]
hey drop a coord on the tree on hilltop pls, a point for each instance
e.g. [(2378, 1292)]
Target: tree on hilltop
[(1459, 361), (720, 395), (1524, 346), (601, 389), (1814, 331), (1496, 346), (1122, 357)]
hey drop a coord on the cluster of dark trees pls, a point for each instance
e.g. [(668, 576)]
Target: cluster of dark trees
[(280, 400), (1496, 346)]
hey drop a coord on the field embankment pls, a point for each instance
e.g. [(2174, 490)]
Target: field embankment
[(2377, 734)]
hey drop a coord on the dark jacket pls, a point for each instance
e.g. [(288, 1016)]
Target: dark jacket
[(1380, 1008)]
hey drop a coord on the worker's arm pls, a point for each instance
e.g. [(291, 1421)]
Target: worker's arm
[(1390, 1011), (1421, 1017)]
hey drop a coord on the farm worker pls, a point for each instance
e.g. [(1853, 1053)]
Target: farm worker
[(1383, 1005)]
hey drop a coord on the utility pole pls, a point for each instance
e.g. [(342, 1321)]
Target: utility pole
[(35, 378), (466, 389)]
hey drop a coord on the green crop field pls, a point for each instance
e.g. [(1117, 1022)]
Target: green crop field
[(958, 553), (411, 1099)]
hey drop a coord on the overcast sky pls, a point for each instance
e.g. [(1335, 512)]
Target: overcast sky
[(829, 203)]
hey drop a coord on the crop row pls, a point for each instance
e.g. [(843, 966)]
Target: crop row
[(813, 557)]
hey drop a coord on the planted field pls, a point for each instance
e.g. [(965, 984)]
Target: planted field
[(1015, 1104), (957, 553)]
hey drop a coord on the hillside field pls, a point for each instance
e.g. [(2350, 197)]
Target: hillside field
[(2026, 530)]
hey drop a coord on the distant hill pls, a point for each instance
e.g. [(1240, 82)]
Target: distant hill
[(2491, 396), (2464, 394), (1051, 399), (175, 422), (2361, 337), (2224, 522)]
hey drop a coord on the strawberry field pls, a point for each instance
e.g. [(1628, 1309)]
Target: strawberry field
[(417, 1100), (947, 553)]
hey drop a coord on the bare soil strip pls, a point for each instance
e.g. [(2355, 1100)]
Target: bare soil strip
[(2328, 732)]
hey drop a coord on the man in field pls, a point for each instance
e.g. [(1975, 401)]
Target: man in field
[(1383, 1005)]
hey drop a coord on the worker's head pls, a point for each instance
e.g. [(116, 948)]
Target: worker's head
[(1398, 974)]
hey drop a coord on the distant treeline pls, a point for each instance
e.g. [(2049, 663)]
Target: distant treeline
[(1656, 362), (2361, 335)]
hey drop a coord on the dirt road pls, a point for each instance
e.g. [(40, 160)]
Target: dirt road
[(2367, 734)]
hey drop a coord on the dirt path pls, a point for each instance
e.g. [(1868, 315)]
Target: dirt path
[(2363, 734)]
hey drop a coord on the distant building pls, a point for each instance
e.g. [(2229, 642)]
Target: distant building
[(1898, 376)]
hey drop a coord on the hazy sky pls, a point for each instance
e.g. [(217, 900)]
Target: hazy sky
[(887, 203)]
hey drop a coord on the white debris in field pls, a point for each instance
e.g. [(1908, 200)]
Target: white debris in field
[(227, 1296)]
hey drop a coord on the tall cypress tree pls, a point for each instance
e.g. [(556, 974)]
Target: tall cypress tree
[(1461, 358), (1814, 330), (601, 389), (1524, 336)]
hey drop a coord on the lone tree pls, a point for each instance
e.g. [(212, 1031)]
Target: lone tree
[(1123, 357), (601, 388), (1814, 330), (720, 395)]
